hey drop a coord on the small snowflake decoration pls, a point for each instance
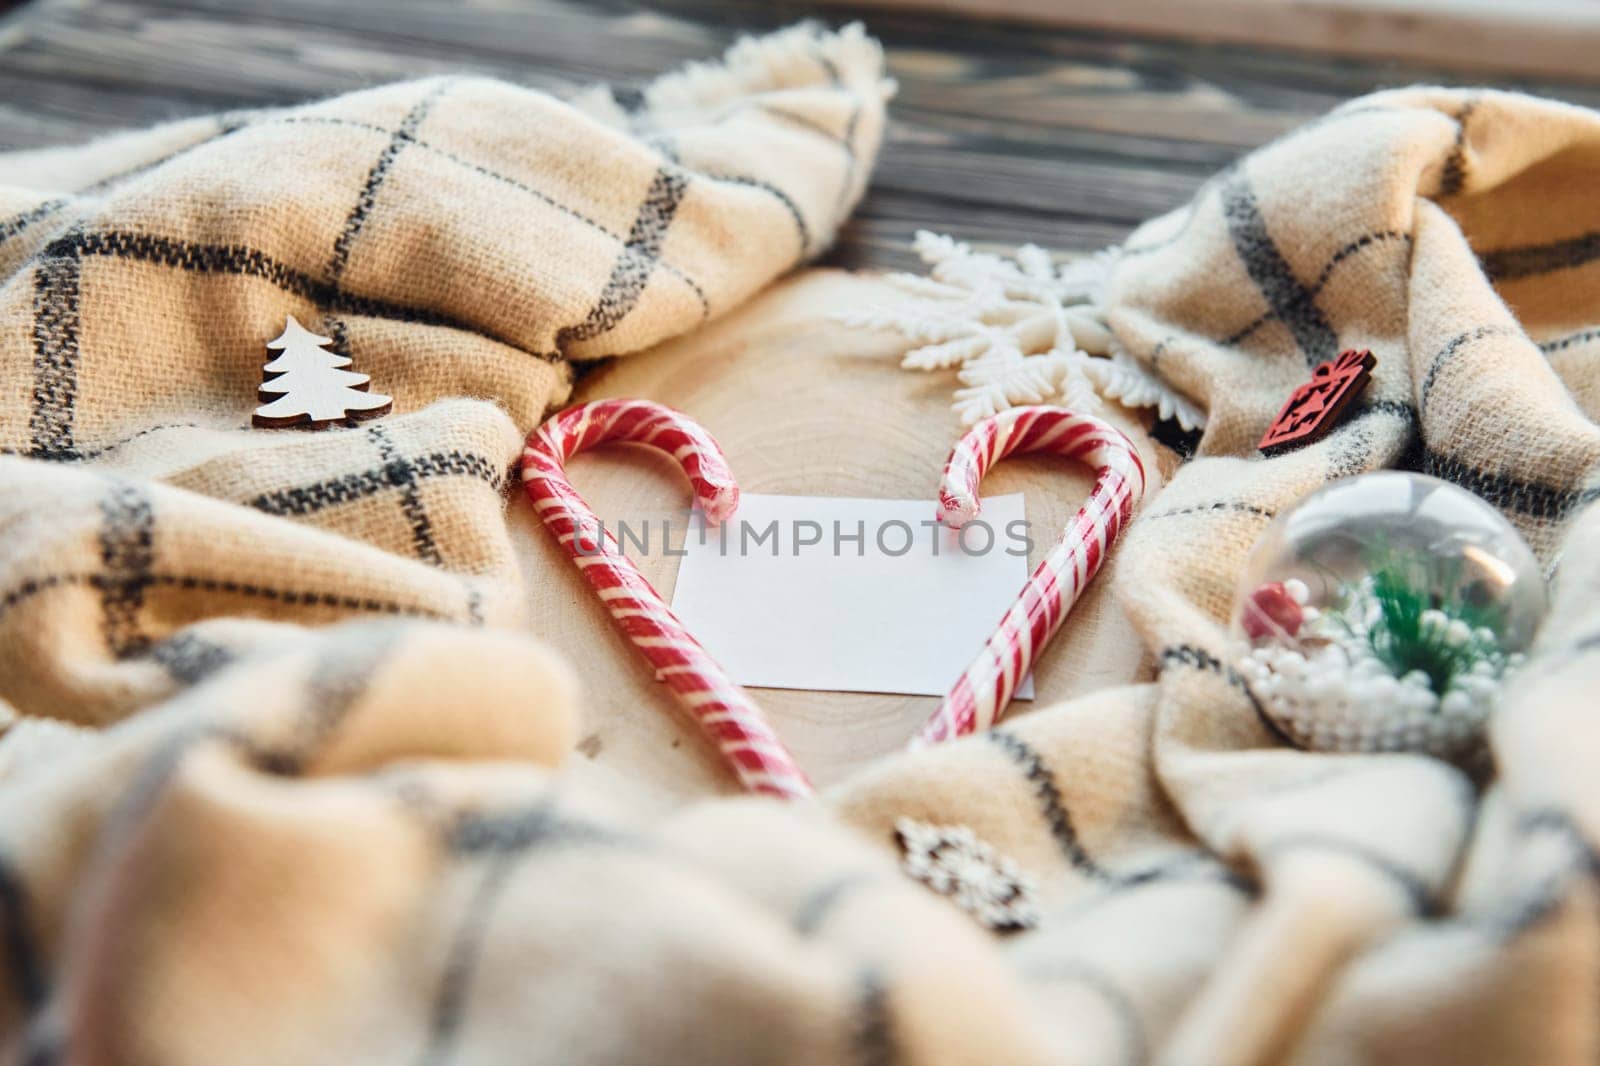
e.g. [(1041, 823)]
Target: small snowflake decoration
[(953, 862), (1021, 330)]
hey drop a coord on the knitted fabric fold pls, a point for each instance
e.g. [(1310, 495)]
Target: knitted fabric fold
[(1455, 235), (1212, 894), (461, 240)]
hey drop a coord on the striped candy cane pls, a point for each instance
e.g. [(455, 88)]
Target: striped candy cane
[(726, 714), (983, 692)]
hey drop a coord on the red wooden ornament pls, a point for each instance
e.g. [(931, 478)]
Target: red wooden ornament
[(1316, 406)]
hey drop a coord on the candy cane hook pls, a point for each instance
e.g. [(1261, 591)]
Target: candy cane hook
[(982, 693), (723, 710)]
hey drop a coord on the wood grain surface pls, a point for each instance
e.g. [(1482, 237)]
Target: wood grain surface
[(1538, 37)]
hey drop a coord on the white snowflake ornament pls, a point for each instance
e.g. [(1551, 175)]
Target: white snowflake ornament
[(1021, 330), (952, 861), (1126, 380)]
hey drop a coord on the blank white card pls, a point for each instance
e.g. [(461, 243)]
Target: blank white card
[(850, 595)]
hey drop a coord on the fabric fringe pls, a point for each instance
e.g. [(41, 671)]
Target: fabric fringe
[(793, 57)]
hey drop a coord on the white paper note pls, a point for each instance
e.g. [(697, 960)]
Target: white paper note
[(785, 595)]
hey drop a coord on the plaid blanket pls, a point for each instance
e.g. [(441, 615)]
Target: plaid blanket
[(171, 574), (463, 241), (232, 832), (1398, 909), (1214, 895)]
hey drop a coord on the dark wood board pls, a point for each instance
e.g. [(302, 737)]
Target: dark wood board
[(1001, 133)]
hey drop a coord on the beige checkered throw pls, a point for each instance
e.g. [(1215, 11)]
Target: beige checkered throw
[(342, 844)]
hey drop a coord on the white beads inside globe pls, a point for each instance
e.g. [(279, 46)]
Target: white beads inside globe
[(1384, 613)]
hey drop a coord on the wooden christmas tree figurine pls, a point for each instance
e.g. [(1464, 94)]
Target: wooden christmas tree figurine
[(311, 387)]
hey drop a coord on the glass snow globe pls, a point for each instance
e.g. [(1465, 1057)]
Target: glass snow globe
[(1383, 613)]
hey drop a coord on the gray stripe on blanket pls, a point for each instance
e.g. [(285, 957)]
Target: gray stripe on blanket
[(640, 255), (1511, 264), (1290, 301)]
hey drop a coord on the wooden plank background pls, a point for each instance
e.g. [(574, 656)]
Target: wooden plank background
[(1541, 37), (1001, 133)]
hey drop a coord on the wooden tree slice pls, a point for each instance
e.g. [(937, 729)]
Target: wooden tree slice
[(806, 406)]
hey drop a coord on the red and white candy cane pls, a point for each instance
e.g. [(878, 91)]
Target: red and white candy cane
[(982, 693), (723, 710)]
